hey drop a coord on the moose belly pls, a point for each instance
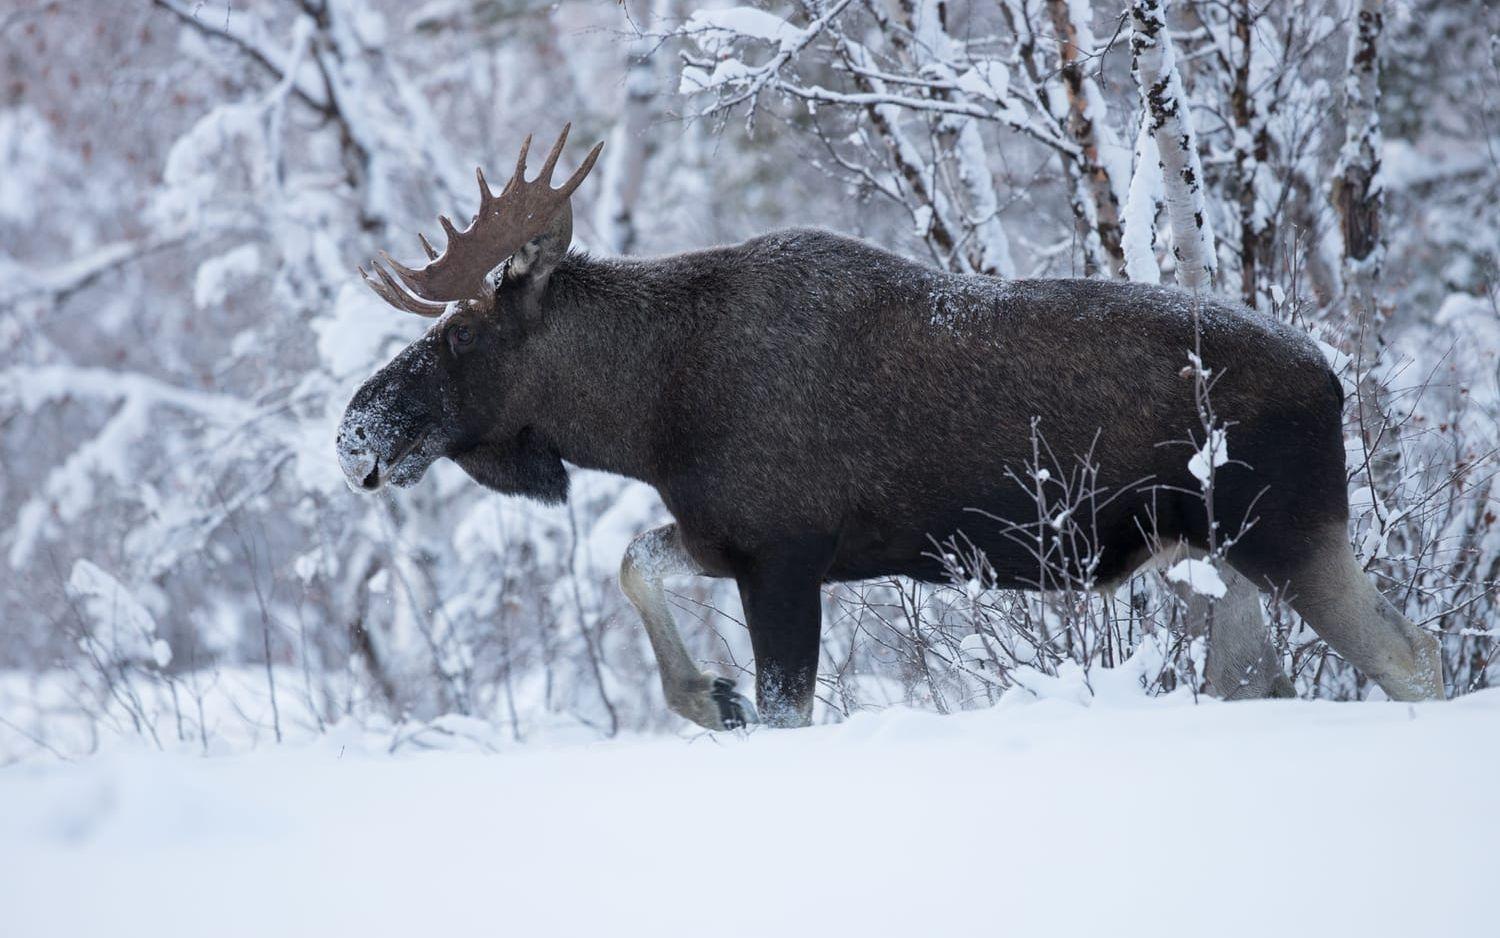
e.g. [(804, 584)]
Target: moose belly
[(996, 536)]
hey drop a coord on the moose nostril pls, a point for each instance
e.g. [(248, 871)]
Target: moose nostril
[(371, 480)]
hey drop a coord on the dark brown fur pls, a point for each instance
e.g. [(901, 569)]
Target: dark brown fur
[(812, 408)]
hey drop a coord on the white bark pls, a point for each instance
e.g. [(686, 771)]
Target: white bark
[(924, 91), (630, 144), (1359, 198), (917, 185), (1170, 122), (1142, 205), (1357, 192), (986, 248), (1099, 183)]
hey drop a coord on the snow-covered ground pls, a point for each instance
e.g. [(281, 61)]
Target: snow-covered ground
[(1045, 817)]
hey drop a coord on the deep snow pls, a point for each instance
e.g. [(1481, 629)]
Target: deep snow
[(1034, 818)]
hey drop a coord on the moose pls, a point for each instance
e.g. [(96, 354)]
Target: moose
[(813, 409)]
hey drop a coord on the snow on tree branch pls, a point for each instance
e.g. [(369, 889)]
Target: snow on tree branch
[(254, 46), (69, 489), (57, 282), (971, 90), (717, 30)]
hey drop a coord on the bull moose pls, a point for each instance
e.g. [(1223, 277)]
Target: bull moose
[(814, 409)]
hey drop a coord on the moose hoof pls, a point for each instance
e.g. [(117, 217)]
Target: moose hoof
[(712, 704), (735, 710)]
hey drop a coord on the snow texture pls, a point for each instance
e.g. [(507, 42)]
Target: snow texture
[(1142, 204), (218, 275), (1201, 576), (121, 627), (722, 26), (917, 825), (1211, 455)]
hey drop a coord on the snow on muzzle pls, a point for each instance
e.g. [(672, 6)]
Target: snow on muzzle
[(361, 466), (389, 432), (378, 443)]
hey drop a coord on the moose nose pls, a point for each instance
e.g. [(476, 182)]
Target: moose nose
[(361, 466)]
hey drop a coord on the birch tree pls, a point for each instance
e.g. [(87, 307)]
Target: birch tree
[(1170, 124), (1249, 84), (1099, 170), (631, 142), (1357, 191)]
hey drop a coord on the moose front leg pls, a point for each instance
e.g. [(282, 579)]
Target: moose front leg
[(711, 702)]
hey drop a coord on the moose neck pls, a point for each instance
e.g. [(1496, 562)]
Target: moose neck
[(606, 344)]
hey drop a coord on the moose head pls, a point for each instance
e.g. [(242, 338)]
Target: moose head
[(449, 393)]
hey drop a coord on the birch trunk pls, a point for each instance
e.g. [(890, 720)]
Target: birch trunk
[(928, 206), (1358, 196), (1088, 126), (630, 145), (1170, 123), (1142, 205), (1252, 148), (986, 247), (1357, 193)]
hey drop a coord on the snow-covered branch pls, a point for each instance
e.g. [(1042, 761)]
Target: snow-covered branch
[(69, 489), (975, 89), (715, 30), (278, 65), (59, 281)]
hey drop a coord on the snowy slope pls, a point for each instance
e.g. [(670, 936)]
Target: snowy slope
[(1040, 818)]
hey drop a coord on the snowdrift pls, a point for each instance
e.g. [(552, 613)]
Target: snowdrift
[(1048, 817)]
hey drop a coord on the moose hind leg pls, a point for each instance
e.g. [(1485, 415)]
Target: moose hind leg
[(1243, 663), (710, 702), (1337, 598)]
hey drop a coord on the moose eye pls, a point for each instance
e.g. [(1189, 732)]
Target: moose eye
[(460, 335)]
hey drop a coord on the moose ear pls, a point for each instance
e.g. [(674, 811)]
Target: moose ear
[(530, 266)]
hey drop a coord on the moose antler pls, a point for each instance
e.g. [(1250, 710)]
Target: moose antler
[(502, 227)]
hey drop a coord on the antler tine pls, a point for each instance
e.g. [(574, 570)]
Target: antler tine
[(519, 176), (411, 278), (545, 176), (392, 293), (575, 180), (387, 290), (401, 299), (426, 248), (485, 197)]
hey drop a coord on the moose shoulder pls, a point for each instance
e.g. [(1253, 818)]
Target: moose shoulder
[(812, 408)]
